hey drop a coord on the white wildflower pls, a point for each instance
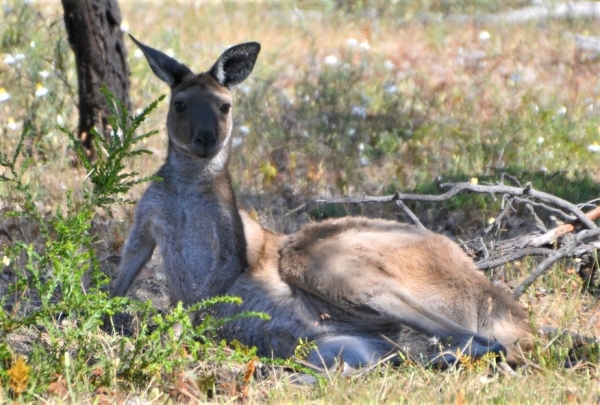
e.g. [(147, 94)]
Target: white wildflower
[(245, 88), (331, 60), (389, 65), (365, 46), (138, 53), (4, 95), (40, 90), (11, 59), (540, 140), (11, 124), (124, 26), (44, 74), (561, 111), (352, 42), (236, 141), (484, 36), (594, 148), (351, 131), (244, 129), (359, 111), (362, 159), (390, 88)]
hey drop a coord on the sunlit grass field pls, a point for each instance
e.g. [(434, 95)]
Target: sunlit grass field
[(346, 98)]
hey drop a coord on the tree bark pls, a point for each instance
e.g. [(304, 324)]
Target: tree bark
[(94, 32)]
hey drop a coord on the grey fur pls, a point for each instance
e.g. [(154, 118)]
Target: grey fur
[(360, 289), (191, 214)]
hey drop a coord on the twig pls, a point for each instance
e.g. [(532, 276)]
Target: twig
[(410, 214), (555, 211), (527, 191), (512, 178), (539, 224), (487, 264), (496, 224), (486, 252), (553, 258), (298, 208), (561, 230)]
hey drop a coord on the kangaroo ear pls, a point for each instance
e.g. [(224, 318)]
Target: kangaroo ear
[(166, 68), (236, 64)]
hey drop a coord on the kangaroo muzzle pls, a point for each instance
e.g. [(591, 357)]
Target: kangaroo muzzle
[(204, 143)]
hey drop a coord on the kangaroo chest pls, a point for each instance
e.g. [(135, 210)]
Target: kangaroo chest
[(194, 234)]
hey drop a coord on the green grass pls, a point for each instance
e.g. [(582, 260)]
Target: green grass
[(346, 99)]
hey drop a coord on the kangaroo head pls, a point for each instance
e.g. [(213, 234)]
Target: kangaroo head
[(199, 121)]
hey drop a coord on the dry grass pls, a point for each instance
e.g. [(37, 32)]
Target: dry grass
[(470, 99)]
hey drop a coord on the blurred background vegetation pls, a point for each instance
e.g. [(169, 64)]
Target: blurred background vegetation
[(347, 97)]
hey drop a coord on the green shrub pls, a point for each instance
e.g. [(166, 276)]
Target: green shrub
[(57, 302)]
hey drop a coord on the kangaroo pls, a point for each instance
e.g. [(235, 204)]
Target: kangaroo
[(359, 289), (192, 213)]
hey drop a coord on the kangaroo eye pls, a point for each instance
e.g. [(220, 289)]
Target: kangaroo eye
[(180, 106), (225, 108)]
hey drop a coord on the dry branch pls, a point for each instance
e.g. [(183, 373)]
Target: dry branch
[(512, 256), (457, 188), (556, 233), (553, 258)]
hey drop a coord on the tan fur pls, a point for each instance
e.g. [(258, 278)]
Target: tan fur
[(339, 258)]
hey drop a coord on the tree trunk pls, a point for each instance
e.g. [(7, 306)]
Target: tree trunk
[(94, 32)]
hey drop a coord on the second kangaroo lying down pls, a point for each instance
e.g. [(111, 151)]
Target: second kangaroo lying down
[(358, 288)]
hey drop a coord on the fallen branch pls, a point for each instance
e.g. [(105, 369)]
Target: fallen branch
[(410, 214), (556, 233), (510, 257), (457, 188), (553, 258)]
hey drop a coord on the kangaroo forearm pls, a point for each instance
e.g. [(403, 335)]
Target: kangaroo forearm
[(131, 263)]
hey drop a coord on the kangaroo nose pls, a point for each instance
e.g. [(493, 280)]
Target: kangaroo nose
[(206, 139)]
